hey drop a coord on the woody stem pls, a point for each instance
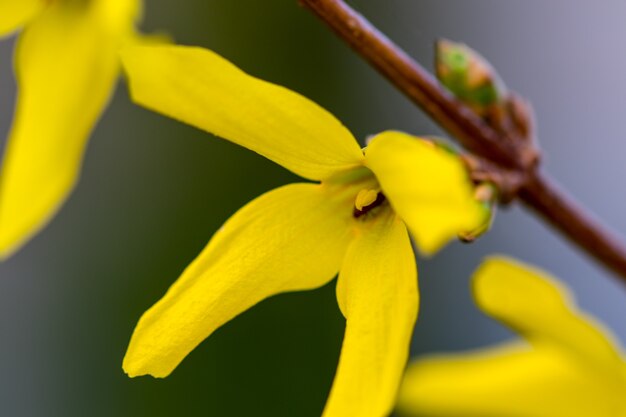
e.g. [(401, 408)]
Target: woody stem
[(536, 190)]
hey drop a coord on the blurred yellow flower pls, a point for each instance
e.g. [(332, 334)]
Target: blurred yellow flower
[(568, 366), (66, 65), (298, 237)]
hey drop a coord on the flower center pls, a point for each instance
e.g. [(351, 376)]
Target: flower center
[(367, 200)]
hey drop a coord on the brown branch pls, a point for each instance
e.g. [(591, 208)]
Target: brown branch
[(536, 191), (547, 200)]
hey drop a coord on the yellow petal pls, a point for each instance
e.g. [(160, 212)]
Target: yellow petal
[(15, 13), (67, 65), (201, 88), (117, 17), (427, 186), (292, 238), (509, 381), (569, 368), (377, 292), (504, 288)]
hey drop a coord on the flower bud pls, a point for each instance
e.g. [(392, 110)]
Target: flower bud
[(487, 194), (468, 76)]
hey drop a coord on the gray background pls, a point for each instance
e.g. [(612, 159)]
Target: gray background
[(153, 191)]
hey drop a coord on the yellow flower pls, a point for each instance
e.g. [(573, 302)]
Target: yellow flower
[(568, 365), (66, 65), (298, 237)]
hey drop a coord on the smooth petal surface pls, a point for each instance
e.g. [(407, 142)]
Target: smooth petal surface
[(15, 13), (509, 381), (569, 368), (201, 88), (292, 238), (502, 289), (377, 293), (66, 65), (427, 186)]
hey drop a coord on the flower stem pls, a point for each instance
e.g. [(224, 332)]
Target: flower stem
[(537, 190)]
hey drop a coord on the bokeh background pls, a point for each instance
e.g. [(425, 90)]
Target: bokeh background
[(153, 191)]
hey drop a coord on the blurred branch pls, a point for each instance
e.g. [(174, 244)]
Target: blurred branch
[(503, 151)]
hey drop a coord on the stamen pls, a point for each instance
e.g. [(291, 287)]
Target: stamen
[(367, 200)]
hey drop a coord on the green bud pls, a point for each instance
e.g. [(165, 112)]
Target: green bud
[(487, 194), (468, 76)]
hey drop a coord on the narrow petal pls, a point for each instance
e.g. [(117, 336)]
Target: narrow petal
[(427, 186), (503, 288), (201, 88), (15, 13), (66, 65), (292, 238), (508, 381), (377, 292)]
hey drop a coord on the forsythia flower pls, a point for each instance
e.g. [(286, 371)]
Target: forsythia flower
[(299, 236), (567, 367), (66, 65)]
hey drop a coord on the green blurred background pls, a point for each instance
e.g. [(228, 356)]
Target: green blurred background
[(153, 191)]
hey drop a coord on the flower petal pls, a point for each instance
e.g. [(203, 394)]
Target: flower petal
[(292, 238), (67, 66), (570, 368), (508, 381), (377, 292), (201, 88), (15, 13), (427, 186), (503, 288)]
